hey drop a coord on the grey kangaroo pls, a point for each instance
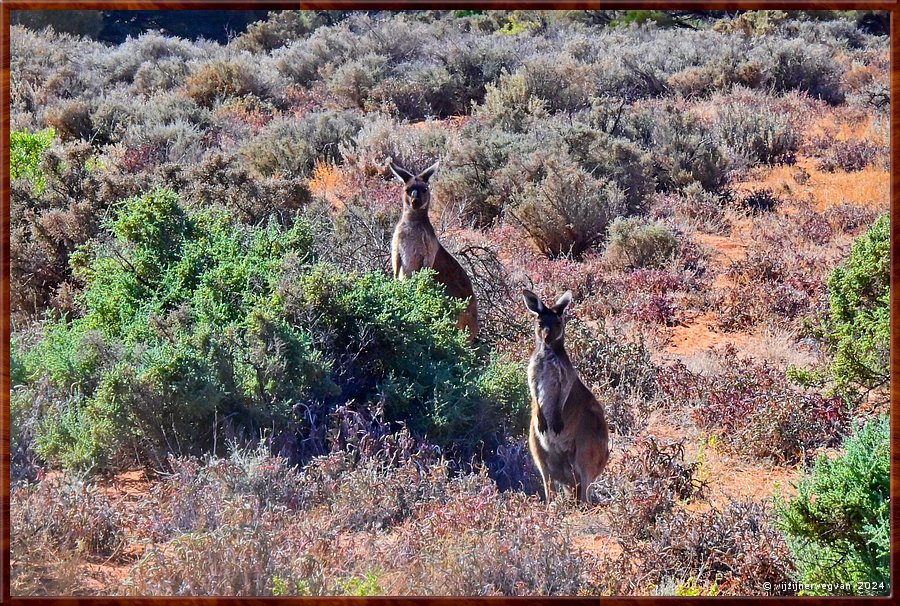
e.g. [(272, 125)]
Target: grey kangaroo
[(568, 438), (415, 245)]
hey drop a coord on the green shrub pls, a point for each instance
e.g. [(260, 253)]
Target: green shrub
[(633, 243), (189, 317), (25, 151), (838, 525), (396, 344), (504, 383), (365, 586), (179, 323), (857, 328)]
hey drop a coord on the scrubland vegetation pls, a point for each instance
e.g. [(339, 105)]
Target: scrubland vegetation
[(217, 388)]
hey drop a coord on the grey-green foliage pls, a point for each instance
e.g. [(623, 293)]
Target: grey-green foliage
[(634, 243), (757, 134)]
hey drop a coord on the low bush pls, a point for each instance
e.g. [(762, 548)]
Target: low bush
[(757, 134), (279, 29), (491, 543), (755, 410), (849, 218), (634, 243), (62, 515), (645, 484), (850, 156), (25, 151), (838, 525), (617, 159), (733, 549), (695, 207), (758, 201)]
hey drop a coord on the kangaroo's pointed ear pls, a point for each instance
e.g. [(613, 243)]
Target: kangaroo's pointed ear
[(401, 173), (561, 303), (532, 302), (426, 174)]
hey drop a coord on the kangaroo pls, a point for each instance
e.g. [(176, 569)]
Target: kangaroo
[(415, 245), (568, 438)]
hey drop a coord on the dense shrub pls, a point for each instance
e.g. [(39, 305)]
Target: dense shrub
[(567, 211), (398, 342), (290, 147), (682, 149), (634, 243), (169, 304), (758, 201), (188, 316), (757, 134), (838, 525), (857, 329)]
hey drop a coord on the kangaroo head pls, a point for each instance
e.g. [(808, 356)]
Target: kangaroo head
[(416, 194), (549, 322)]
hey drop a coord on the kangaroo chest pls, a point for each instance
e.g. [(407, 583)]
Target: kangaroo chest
[(416, 244), (551, 380)]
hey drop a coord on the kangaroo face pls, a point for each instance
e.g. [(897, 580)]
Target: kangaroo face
[(416, 195), (549, 322)]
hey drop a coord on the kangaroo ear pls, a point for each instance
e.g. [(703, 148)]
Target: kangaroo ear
[(426, 174), (532, 302), (561, 303), (401, 173)]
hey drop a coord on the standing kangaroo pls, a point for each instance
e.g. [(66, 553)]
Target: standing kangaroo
[(568, 439), (415, 245)]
